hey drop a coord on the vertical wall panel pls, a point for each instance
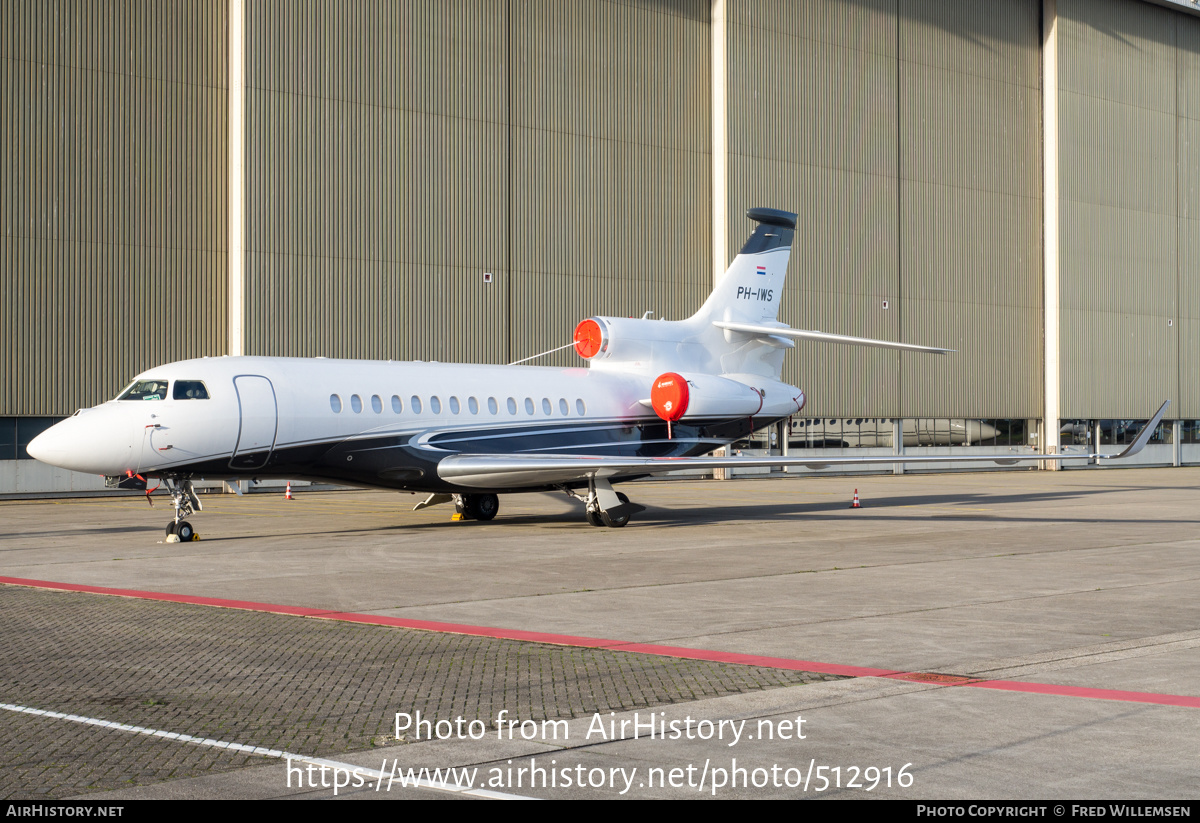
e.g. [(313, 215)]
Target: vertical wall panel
[(1187, 225), (905, 133), (111, 257), (1119, 189), (970, 207), (611, 163), (812, 129), (377, 179)]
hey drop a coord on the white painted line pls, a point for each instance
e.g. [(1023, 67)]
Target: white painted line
[(374, 774)]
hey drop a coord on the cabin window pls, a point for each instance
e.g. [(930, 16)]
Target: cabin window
[(376, 404), (356, 403), (145, 390), (493, 407), (435, 404), (454, 407), (563, 408), (473, 405), (335, 403), (580, 408), (512, 406), (397, 406), (189, 390), (547, 409), (414, 403), (529, 405)]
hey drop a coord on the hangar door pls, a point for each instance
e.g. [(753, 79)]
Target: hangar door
[(258, 421)]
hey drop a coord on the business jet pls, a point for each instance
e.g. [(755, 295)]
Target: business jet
[(654, 396)]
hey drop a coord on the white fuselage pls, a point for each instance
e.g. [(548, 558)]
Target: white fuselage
[(373, 423)]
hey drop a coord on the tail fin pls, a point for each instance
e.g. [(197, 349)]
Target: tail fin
[(747, 295), (752, 287)]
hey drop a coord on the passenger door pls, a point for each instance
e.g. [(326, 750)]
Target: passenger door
[(258, 421)]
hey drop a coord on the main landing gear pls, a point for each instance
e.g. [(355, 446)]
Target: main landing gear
[(604, 507), (184, 498), (477, 506)]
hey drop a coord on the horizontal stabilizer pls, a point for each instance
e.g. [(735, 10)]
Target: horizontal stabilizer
[(768, 332)]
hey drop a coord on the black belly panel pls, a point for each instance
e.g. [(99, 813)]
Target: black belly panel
[(408, 462)]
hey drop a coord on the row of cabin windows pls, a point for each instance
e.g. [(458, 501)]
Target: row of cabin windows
[(415, 405)]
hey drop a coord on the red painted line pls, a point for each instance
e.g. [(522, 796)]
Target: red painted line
[(1094, 694), (753, 660), (613, 645)]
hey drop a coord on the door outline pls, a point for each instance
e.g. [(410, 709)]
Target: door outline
[(248, 392)]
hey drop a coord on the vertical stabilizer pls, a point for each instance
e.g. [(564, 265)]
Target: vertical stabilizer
[(752, 287), (749, 293)]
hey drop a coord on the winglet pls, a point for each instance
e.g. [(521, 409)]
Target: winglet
[(1143, 436)]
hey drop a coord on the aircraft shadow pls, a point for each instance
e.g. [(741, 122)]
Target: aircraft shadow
[(893, 508)]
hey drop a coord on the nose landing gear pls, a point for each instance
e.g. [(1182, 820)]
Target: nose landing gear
[(184, 498)]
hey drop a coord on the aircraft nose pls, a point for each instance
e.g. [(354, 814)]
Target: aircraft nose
[(52, 445), (45, 446), (82, 443)]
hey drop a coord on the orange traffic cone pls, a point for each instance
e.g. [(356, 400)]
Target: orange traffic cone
[(856, 504), (287, 495)]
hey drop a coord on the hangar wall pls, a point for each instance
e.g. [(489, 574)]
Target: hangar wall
[(376, 181), (907, 136), (1129, 113), (397, 153), (112, 255)]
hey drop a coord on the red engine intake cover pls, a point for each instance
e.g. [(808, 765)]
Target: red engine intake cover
[(669, 396), (589, 338)]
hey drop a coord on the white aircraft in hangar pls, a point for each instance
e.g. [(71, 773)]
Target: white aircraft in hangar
[(656, 395)]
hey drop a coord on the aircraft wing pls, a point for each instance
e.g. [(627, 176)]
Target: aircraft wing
[(498, 471)]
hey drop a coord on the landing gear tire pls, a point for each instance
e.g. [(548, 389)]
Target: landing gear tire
[(593, 518), (481, 506), (616, 522), (183, 530)]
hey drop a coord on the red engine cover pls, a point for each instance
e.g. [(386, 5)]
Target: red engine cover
[(589, 338), (669, 396)]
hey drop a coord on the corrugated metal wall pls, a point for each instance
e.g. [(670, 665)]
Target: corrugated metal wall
[(812, 129), (611, 198), (1188, 215), (971, 207), (906, 134), (396, 153), (113, 199), (1121, 186)]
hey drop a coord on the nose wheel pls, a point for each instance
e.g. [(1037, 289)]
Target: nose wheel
[(182, 530), (184, 498)]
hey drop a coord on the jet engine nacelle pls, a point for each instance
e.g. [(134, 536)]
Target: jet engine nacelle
[(676, 396), (633, 340)]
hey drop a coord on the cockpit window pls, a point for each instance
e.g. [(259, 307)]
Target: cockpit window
[(146, 390), (190, 390)]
